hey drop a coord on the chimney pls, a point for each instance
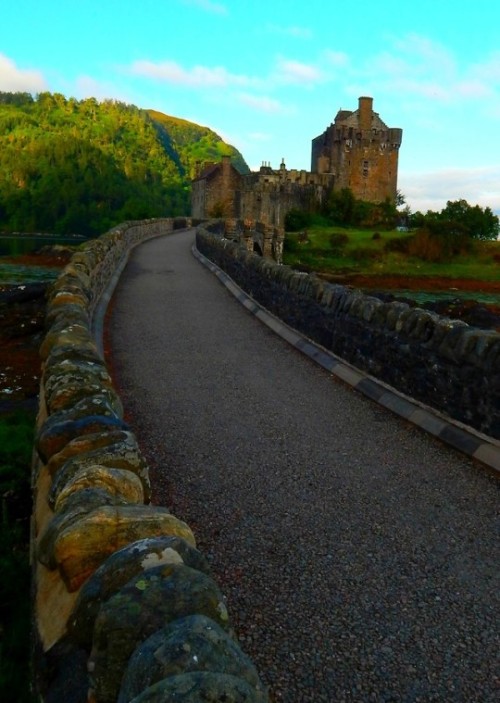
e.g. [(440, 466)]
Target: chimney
[(365, 113)]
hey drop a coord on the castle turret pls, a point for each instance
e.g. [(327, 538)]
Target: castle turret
[(361, 152), (365, 113)]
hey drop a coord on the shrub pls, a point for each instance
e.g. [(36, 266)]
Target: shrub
[(338, 240), (440, 243), (398, 245), (296, 220)]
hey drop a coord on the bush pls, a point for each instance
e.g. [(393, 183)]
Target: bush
[(398, 245), (440, 242), (338, 240), (296, 220)]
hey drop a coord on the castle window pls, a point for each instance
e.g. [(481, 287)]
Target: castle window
[(365, 172)]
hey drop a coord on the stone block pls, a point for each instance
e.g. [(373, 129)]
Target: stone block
[(124, 455), (124, 485), (202, 686), (194, 643), (144, 605), (53, 436), (118, 569), (82, 546)]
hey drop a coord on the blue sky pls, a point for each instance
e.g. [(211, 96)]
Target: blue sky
[(270, 76)]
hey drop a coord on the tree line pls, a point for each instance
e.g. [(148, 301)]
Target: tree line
[(457, 222), (81, 166)]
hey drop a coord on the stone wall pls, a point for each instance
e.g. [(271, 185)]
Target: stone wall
[(443, 363), (125, 606)]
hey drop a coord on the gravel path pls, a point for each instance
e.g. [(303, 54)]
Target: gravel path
[(359, 556)]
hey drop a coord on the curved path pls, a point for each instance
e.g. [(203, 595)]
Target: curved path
[(359, 555)]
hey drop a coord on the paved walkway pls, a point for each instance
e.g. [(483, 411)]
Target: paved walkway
[(360, 557)]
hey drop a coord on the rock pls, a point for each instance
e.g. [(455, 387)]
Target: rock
[(82, 546), (201, 686), (119, 569), (194, 643), (53, 436), (124, 485), (145, 604), (87, 443), (123, 454), (75, 335), (76, 507)]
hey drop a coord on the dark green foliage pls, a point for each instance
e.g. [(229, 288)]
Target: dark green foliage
[(193, 143), (343, 208), (16, 442), (459, 219), (69, 166), (338, 240), (296, 220)]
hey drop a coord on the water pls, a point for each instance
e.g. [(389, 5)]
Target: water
[(423, 297), (17, 245), (22, 244)]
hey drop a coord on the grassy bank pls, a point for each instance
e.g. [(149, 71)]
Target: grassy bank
[(16, 443), (337, 250)]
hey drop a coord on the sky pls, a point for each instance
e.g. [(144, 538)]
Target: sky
[(269, 76)]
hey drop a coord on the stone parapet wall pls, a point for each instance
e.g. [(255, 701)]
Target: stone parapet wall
[(443, 363), (125, 606)]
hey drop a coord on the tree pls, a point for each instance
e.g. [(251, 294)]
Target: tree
[(474, 221)]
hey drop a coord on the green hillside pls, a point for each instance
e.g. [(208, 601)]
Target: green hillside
[(195, 143), (69, 166)]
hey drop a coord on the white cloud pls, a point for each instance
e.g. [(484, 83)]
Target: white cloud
[(15, 79), (431, 190), (88, 87), (289, 71), (262, 103), (420, 67), (196, 77), (209, 6)]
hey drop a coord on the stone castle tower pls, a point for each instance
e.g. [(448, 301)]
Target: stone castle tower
[(360, 152)]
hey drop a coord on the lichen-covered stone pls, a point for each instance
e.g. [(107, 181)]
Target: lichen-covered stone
[(195, 643), (123, 454), (77, 335), (87, 443), (123, 485), (69, 387), (119, 569), (84, 545), (53, 436), (145, 604), (72, 311), (71, 352), (201, 686), (91, 405), (76, 507), (56, 367)]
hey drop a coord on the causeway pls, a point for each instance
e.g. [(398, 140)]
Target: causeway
[(360, 556)]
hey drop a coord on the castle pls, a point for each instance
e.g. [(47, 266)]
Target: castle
[(357, 151)]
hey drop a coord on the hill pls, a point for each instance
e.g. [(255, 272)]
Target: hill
[(70, 166)]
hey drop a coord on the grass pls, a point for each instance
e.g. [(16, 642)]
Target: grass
[(338, 250), (16, 443)]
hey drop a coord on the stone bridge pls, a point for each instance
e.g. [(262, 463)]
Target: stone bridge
[(354, 555)]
